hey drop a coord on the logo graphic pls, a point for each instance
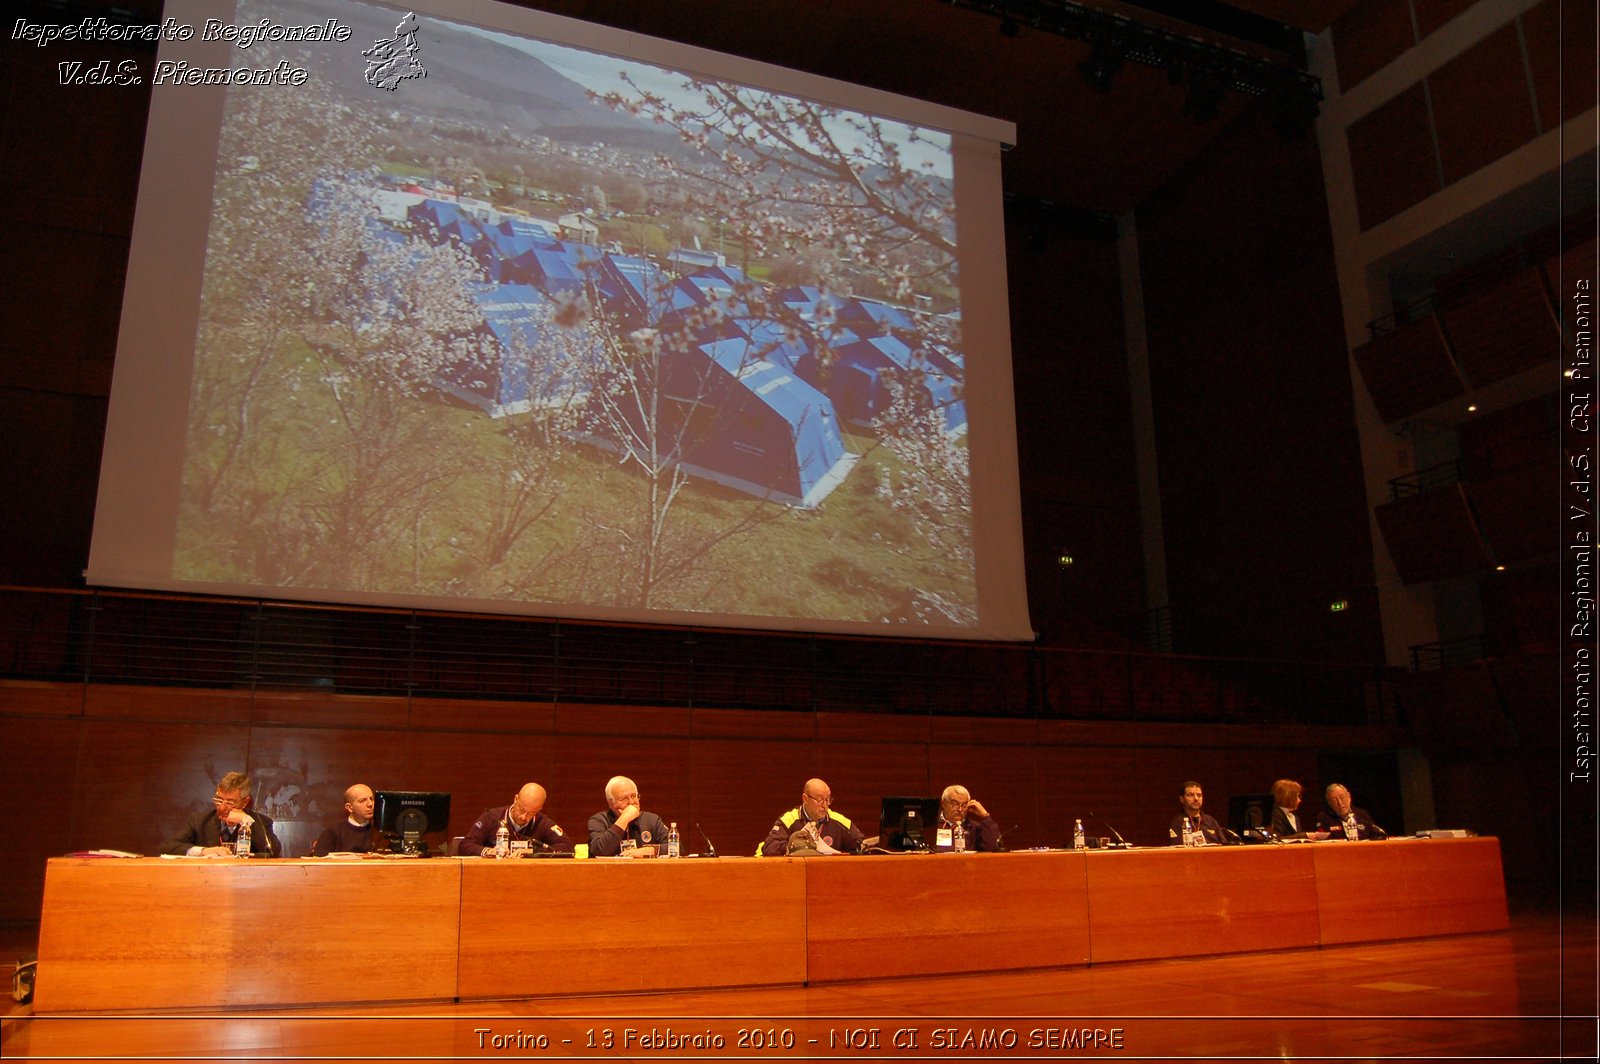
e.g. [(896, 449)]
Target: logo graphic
[(389, 62)]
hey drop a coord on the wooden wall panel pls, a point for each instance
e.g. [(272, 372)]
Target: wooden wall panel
[(659, 766), (41, 698), (138, 781), (36, 806), (483, 770), (1004, 778), (158, 763), (467, 714), (575, 719), (776, 725), (1392, 158), (312, 708), (118, 702), (1482, 109), (301, 775), (1074, 781), (743, 785), (861, 774)]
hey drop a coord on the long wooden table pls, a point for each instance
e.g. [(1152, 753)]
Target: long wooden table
[(150, 933)]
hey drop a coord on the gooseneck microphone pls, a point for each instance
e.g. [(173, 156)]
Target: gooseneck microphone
[(999, 843), (1120, 840), (711, 850)]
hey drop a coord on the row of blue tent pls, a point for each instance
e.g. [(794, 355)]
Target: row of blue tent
[(766, 395)]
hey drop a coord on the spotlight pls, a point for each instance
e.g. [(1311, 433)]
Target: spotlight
[(1105, 59)]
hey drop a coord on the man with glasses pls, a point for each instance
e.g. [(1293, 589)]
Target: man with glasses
[(610, 829), (1342, 820), (812, 827), (980, 831), (529, 829), (212, 833)]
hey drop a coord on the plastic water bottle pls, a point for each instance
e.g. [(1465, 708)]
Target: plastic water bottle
[(241, 841), (1077, 835), (1193, 834), (958, 839), (1351, 831), (674, 844), (502, 841)]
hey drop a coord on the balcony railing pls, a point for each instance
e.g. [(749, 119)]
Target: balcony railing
[(109, 637)]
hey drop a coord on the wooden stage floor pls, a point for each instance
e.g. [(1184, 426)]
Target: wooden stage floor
[(1528, 993)]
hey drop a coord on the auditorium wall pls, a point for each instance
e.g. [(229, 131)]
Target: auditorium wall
[(104, 766)]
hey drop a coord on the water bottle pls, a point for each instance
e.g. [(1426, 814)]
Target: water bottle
[(674, 844), (1351, 832), (1193, 835), (1077, 835), (958, 840), (502, 841), (241, 841)]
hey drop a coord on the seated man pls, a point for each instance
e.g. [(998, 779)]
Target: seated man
[(608, 828), (812, 827), (1190, 799), (353, 834), (958, 806), (212, 833), (1342, 820), (530, 830)]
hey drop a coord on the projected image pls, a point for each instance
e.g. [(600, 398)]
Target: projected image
[(554, 327)]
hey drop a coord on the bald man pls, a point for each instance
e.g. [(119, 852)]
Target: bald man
[(812, 827), (531, 831), (353, 834), (624, 820)]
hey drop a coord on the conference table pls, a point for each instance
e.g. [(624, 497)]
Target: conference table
[(152, 933)]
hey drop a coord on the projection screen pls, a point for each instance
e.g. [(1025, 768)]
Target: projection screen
[(466, 306)]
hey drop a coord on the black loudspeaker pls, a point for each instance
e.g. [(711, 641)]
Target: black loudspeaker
[(1246, 811)]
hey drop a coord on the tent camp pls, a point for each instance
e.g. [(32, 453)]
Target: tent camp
[(754, 425)]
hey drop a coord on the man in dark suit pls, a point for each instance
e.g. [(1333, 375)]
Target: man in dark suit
[(1342, 820), (212, 833)]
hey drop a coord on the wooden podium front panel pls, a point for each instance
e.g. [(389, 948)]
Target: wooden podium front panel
[(152, 933), (535, 927), (1178, 902), (1409, 888), (925, 914)]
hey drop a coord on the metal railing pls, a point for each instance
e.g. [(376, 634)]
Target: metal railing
[(105, 637)]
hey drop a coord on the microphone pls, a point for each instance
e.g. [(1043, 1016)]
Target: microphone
[(999, 846), (711, 850), (1122, 842)]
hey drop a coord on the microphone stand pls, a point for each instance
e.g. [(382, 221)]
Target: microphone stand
[(1122, 843)]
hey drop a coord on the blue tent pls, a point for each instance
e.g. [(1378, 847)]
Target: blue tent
[(853, 376), (873, 318), (755, 426), (508, 379)]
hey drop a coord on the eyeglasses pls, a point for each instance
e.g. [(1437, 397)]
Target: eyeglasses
[(826, 800), (631, 796), (225, 802)]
